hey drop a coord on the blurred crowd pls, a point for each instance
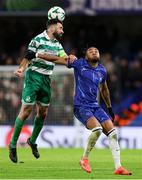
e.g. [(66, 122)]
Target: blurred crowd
[(10, 94), (123, 63), (60, 110)]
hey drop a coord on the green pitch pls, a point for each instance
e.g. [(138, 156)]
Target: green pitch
[(64, 164)]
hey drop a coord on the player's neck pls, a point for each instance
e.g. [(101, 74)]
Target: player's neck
[(50, 35), (93, 64)]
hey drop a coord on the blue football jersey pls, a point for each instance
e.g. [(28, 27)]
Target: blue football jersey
[(87, 81)]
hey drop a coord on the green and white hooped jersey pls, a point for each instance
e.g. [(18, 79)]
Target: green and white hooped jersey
[(41, 44)]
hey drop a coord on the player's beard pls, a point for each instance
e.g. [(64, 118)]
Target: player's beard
[(95, 60), (57, 36)]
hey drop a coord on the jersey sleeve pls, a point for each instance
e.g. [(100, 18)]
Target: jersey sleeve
[(76, 64), (61, 52), (33, 45)]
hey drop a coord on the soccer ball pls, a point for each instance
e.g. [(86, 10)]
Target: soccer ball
[(56, 12)]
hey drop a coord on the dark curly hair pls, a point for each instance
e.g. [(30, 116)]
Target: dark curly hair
[(53, 21)]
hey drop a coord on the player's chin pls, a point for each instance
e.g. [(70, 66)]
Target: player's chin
[(96, 59), (58, 36)]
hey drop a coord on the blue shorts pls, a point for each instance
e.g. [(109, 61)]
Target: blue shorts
[(84, 113)]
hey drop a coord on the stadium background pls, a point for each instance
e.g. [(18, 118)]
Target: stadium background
[(112, 26)]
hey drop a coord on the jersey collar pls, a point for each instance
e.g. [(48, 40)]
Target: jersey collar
[(47, 37)]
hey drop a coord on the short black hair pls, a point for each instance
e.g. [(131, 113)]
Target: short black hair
[(53, 21), (84, 50)]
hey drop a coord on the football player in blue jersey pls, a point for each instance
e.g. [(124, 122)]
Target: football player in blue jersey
[(90, 77)]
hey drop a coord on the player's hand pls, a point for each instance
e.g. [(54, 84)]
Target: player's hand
[(19, 72), (111, 113), (72, 58)]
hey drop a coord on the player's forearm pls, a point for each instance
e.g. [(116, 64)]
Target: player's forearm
[(47, 57), (52, 58), (106, 97), (61, 61), (23, 65)]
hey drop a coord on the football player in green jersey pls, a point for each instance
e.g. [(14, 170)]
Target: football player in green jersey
[(36, 89)]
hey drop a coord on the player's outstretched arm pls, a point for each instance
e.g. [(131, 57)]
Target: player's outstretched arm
[(56, 59), (52, 58), (106, 97)]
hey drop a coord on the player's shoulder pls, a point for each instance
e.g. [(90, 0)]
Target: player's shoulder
[(38, 37), (102, 67), (76, 63), (36, 40), (81, 60)]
